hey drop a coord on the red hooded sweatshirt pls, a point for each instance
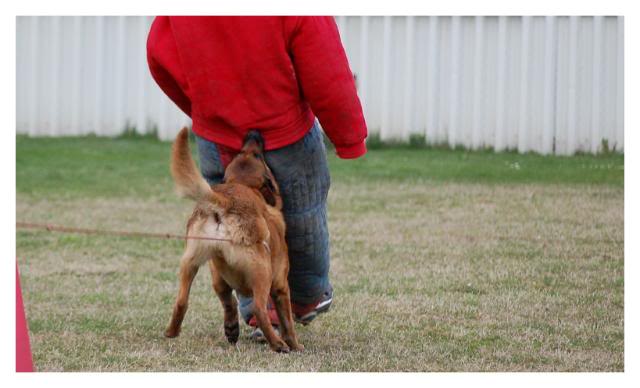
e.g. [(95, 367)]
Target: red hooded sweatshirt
[(274, 74)]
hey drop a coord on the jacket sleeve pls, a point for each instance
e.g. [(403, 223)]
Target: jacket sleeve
[(164, 63), (327, 83)]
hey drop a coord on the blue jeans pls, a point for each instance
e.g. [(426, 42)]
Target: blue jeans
[(302, 173)]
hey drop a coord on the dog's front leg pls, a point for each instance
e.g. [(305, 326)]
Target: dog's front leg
[(188, 271), (282, 299)]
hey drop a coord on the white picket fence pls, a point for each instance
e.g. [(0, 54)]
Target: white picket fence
[(544, 84)]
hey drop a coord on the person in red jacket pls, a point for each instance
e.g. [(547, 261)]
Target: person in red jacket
[(276, 75)]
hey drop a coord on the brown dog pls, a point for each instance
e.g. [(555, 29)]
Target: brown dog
[(251, 254)]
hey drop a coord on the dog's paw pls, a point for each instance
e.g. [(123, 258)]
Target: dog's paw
[(232, 332), (297, 347), (280, 347), (171, 332), (294, 345)]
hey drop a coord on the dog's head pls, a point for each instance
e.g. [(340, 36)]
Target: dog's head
[(249, 168)]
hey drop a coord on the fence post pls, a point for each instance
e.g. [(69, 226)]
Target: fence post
[(549, 76), (523, 122), (34, 79), (596, 137), (573, 74), (99, 43), (54, 68), (619, 136), (364, 62), (75, 102), (500, 142), (120, 119), (432, 69), (477, 83), (408, 78), (141, 116), (386, 78), (454, 99)]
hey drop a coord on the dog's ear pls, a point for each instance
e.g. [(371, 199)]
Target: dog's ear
[(254, 137), (270, 191)]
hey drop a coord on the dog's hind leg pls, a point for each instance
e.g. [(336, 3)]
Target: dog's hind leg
[(282, 300), (229, 303), (260, 299), (188, 270)]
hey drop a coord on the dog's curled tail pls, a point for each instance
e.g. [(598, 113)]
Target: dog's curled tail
[(189, 182)]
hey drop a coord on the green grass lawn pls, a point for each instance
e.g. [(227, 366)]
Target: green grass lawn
[(441, 261)]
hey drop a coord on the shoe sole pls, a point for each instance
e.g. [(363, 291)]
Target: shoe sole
[(322, 307), (258, 335)]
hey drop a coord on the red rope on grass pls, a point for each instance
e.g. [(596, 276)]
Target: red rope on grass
[(66, 229)]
